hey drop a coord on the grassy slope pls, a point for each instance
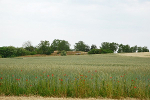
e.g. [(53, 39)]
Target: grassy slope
[(106, 75)]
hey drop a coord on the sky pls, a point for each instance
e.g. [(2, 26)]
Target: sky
[(90, 21)]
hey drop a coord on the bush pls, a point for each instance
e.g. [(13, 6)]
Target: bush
[(49, 51), (33, 53), (63, 53), (9, 51), (94, 51), (22, 52), (103, 51), (100, 51)]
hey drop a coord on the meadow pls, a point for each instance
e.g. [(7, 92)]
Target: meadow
[(76, 76)]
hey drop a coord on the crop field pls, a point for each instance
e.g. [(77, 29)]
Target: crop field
[(77, 76)]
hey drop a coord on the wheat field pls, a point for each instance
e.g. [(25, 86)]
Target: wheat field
[(77, 76)]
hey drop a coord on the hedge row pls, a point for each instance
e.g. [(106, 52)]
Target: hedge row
[(11, 51), (100, 51)]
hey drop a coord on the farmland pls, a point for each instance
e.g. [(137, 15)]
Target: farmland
[(81, 76)]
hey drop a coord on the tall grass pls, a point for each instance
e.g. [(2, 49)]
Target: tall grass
[(95, 76)]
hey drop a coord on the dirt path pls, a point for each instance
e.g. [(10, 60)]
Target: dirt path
[(50, 98)]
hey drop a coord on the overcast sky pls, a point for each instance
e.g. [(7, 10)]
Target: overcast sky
[(90, 21)]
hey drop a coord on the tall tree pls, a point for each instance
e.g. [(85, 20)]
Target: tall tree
[(109, 46), (105, 45), (63, 45), (133, 49), (55, 44), (80, 46), (28, 46), (44, 47), (140, 49), (126, 48), (113, 46), (145, 49), (93, 46), (121, 47), (87, 48)]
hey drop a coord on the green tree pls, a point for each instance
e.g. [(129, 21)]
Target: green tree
[(109, 46), (126, 48), (145, 49), (93, 46), (87, 48), (28, 46), (113, 46), (133, 49), (121, 47), (63, 45), (22, 52), (55, 44), (9, 51), (81, 46), (140, 49), (105, 45), (44, 47)]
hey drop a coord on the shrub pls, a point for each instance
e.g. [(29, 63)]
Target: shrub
[(22, 52), (100, 51), (49, 51), (9, 51), (33, 53), (94, 51), (103, 51), (63, 53)]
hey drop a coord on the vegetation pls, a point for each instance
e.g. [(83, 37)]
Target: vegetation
[(109, 46), (44, 47), (63, 53), (100, 51), (110, 76), (60, 45), (81, 46)]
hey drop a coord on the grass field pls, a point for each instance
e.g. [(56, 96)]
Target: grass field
[(82, 76)]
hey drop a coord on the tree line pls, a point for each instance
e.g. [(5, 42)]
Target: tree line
[(44, 47)]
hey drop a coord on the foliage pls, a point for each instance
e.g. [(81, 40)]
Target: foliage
[(64, 45), (124, 48), (9, 51), (145, 49), (44, 48), (100, 51), (13, 52), (103, 51), (134, 48), (127, 48), (81, 46), (63, 53), (22, 52), (93, 46), (107, 76), (109, 46), (28, 46), (33, 53), (55, 44), (94, 51), (60, 45), (87, 48)]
